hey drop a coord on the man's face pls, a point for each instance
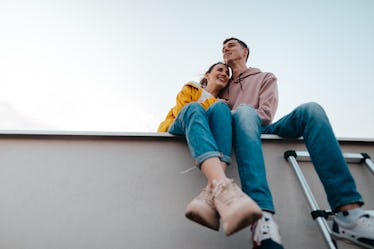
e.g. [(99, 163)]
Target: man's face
[(233, 51)]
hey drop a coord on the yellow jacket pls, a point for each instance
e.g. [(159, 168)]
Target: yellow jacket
[(191, 92)]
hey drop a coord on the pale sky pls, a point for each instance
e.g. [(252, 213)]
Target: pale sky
[(117, 65)]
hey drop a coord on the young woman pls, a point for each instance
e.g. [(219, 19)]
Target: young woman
[(206, 123)]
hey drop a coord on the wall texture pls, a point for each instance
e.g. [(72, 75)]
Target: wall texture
[(106, 190)]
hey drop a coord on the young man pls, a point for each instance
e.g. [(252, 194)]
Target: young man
[(253, 98)]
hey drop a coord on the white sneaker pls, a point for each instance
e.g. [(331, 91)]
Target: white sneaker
[(265, 234), (360, 232)]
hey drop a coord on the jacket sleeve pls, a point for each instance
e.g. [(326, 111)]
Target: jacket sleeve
[(183, 97), (268, 102)]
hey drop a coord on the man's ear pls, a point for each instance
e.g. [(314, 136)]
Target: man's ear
[(246, 52)]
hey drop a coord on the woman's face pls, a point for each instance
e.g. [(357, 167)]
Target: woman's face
[(218, 78)]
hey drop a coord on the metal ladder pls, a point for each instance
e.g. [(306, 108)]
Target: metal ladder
[(321, 215)]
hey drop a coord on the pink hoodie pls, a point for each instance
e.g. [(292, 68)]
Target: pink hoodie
[(256, 89)]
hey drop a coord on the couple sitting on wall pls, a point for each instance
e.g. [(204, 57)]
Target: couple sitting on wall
[(225, 110)]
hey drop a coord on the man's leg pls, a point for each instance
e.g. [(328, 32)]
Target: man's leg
[(310, 121), (249, 156), (251, 166)]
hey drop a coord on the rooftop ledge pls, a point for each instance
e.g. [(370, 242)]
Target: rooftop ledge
[(4, 133), (55, 185)]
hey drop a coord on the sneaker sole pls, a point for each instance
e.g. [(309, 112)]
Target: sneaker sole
[(198, 219), (248, 220), (349, 240)]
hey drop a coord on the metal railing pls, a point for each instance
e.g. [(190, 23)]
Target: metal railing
[(320, 215)]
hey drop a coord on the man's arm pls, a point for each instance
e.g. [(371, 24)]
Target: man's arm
[(268, 99)]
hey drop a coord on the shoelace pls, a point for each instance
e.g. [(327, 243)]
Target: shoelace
[(263, 230), (188, 170), (207, 195), (223, 193), (367, 219)]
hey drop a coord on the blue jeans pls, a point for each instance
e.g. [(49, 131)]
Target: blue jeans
[(308, 120), (208, 132)]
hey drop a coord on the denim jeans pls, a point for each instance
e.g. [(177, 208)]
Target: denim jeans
[(208, 132), (308, 120)]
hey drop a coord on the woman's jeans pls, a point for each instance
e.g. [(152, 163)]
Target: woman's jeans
[(308, 120), (208, 132)]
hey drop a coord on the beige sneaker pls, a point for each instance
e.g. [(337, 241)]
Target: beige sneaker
[(202, 210), (236, 209)]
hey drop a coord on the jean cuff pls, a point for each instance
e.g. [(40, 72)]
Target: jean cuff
[(347, 201), (200, 159), (265, 206), (225, 158)]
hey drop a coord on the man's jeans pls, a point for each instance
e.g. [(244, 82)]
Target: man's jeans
[(308, 120), (208, 132)]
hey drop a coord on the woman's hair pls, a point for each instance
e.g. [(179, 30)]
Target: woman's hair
[(204, 81)]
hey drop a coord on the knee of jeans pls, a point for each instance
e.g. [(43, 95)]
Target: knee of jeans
[(192, 108), (245, 113), (312, 110), (246, 116), (220, 107)]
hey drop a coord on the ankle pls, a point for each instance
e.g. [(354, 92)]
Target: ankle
[(348, 207), (215, 181), (218, 182)]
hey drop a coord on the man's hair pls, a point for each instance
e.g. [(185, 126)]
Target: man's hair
[(242, 44)]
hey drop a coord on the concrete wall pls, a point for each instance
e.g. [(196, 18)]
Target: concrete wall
[(66, 190)]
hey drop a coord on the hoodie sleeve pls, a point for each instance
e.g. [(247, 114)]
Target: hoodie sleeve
[(268, 99)]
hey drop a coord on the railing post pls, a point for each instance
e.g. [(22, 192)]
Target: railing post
[(325, 229)]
